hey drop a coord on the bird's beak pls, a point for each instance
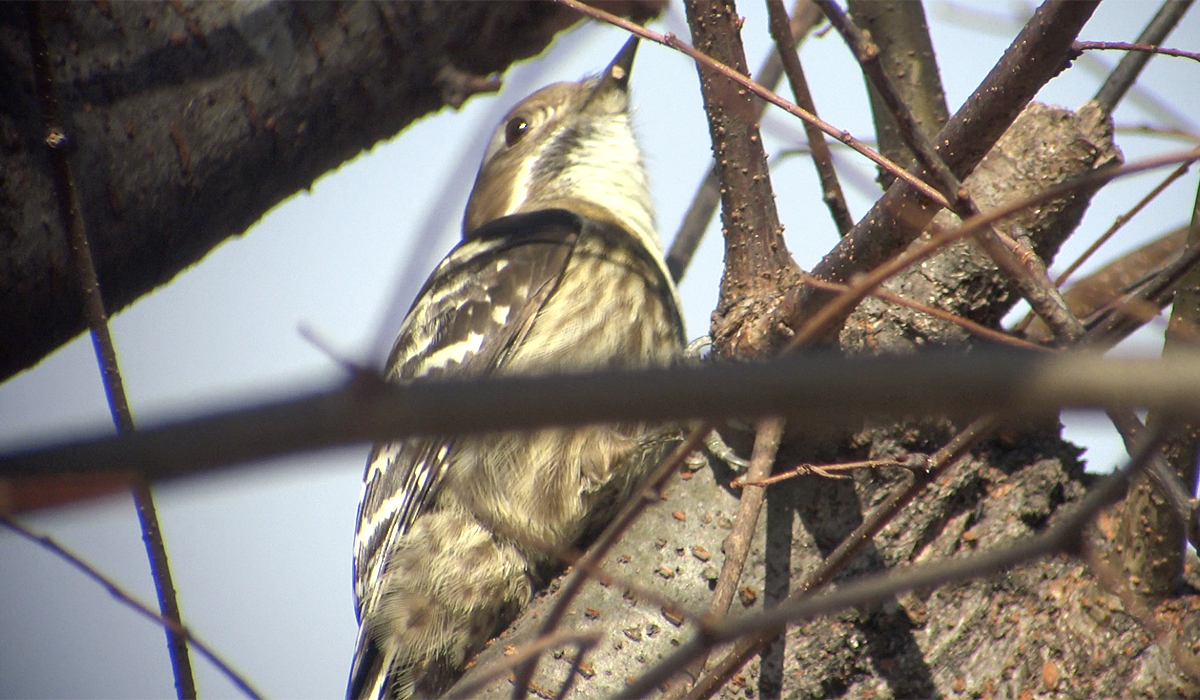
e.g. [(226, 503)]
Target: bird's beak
[(621, 66), (616, 76)]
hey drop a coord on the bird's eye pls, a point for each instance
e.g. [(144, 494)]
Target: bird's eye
[(515, 130)]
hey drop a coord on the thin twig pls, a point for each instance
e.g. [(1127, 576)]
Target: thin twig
[(967, 324), (1064, 536), (831, 471), (672, 41), (1117, 224), (1121, 220), (737, 544), (939, 463), (478, 680), (575, 671), (126, 599), (785, 45), (71, 212), (1176, 133), (1131, 64), (1126, 46)]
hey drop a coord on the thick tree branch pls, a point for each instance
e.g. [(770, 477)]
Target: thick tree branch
[(289, 91), (1038, 53), (757, 262), (906, 54), (805, 16)]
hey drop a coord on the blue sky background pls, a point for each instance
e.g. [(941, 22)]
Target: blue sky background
[(261, 557)]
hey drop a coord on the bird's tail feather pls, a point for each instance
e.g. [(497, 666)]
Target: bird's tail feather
[(369, 671)]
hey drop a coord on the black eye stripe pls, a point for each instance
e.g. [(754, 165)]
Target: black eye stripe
[(555, 157)]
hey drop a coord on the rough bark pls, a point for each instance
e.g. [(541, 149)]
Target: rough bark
[(1151, 534), (995, 637), (289, 91), (757, 262), (1038, 53), (1044, 628), (1045, 146), (188, 121)]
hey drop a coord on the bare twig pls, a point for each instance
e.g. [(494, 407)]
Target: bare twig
[(906, 53), (1121, 317), (970, 326), (1126, 46), (126, 599), (826, 470), (71, 212), (575, 671), (1175, 133), (785, 45), (1122, 276), (672, 41), (478, 680), (1130, 67), (1064, 536), (737, 544), (1123, 219)]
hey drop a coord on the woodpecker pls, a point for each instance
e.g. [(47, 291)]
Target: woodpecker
[(559, 269)]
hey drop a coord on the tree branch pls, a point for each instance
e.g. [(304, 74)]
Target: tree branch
[(1037, 54)]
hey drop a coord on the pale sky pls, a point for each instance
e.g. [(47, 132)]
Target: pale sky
[(261, 557)]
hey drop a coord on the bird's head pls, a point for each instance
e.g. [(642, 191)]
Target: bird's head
[(570, 146)]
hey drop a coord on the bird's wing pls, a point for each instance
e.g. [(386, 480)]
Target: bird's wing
[(476, 307)]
